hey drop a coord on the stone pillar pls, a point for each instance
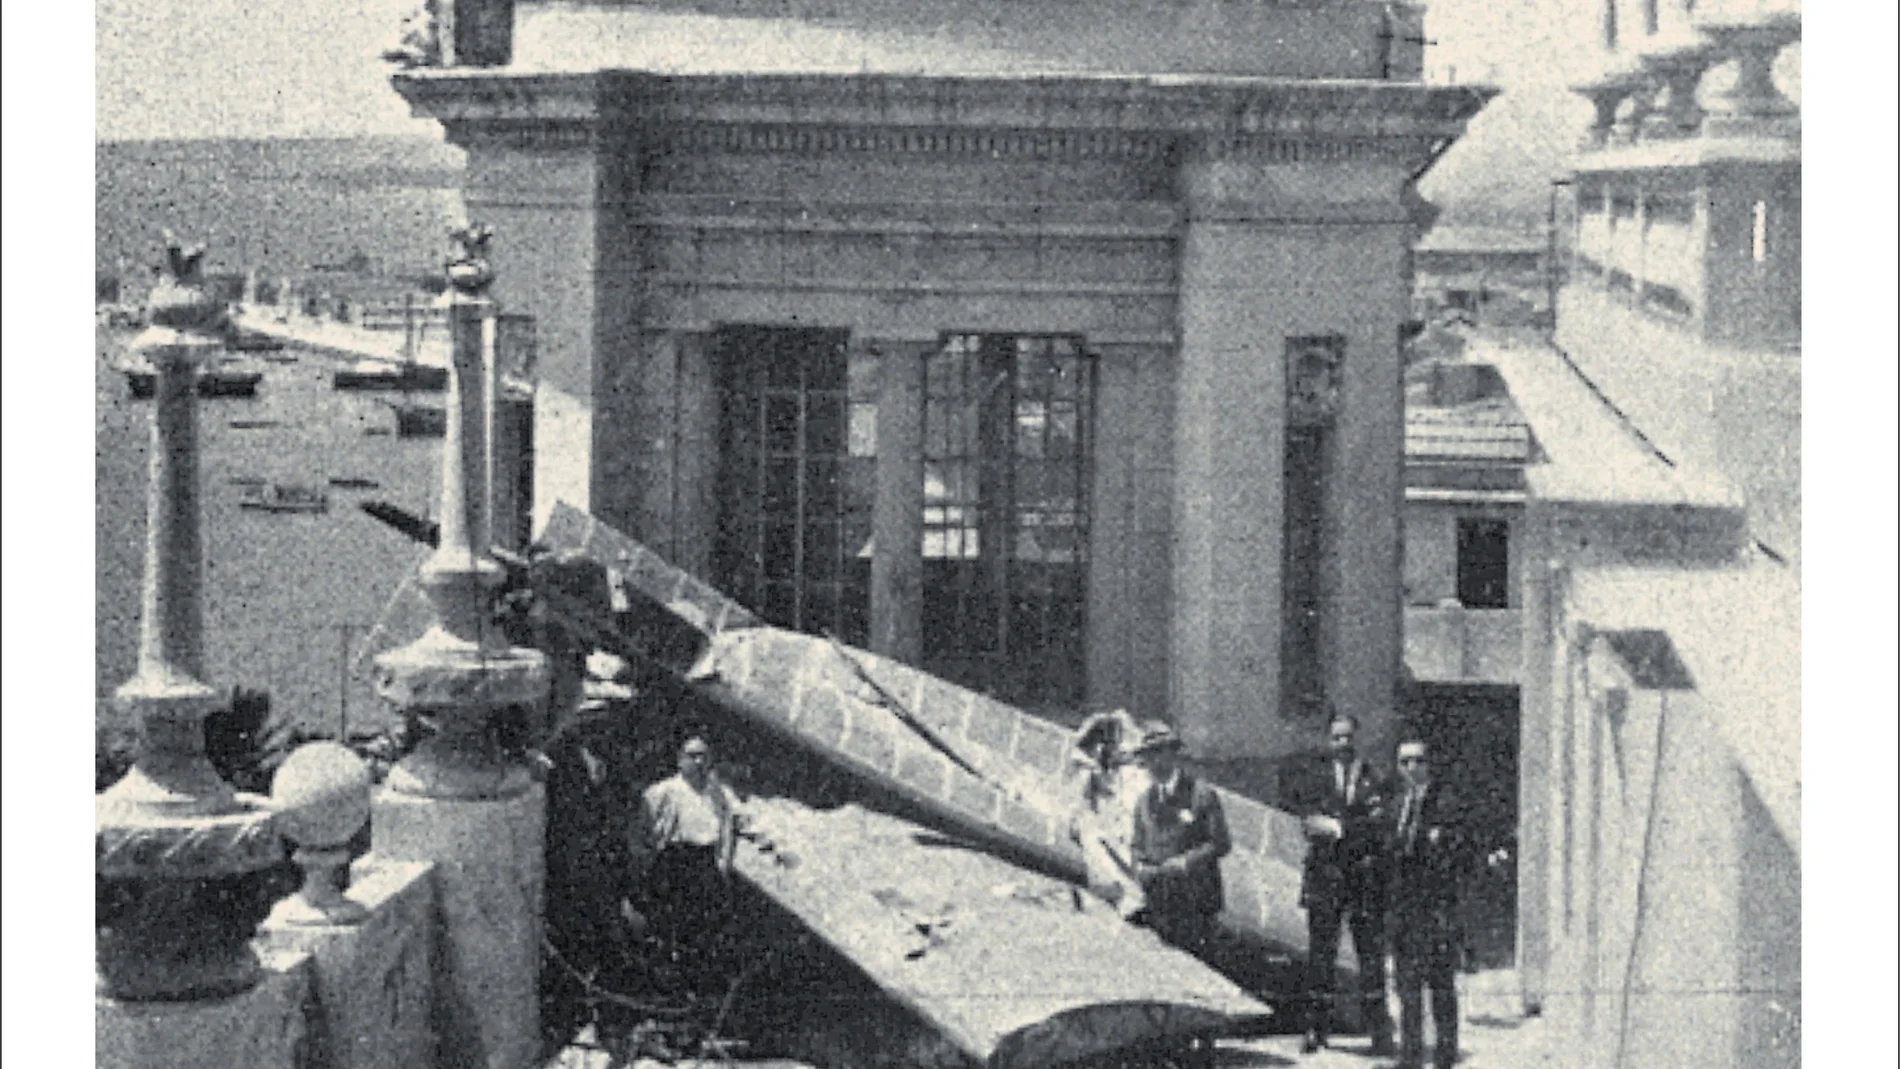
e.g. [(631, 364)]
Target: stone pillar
[(458, 801), (897, 579), (1230, 387), (1292, 295), (179, 854), (182, 875), (1534, 759)]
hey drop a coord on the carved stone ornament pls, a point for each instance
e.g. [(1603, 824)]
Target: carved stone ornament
[(1312, 379), (467, 265), (181, 301)]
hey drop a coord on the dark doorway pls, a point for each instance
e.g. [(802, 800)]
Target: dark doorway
[(1472, 731), (795, 504), (1484, 563)]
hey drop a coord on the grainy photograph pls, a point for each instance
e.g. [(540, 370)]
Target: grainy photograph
[(978, 533)]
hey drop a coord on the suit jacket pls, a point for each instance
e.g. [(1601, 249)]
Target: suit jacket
[(1351, 869), (1428, 859), (1185, 822)]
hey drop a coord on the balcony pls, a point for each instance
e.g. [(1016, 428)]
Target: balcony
[(1453, 644)]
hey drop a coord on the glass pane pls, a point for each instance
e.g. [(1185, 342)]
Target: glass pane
[(1061, 430), (821, 550), (1030, 420), (822, 488), (825, 367), (781, 423), (778, 604), (824, 424), (820, 611), (781, 371), (779, 551), (778, 496)]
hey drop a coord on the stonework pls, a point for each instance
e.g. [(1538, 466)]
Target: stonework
[(1185, 228)]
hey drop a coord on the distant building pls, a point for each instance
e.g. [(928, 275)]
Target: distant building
[(1052, 346), (1659, 866), (1490, 275)]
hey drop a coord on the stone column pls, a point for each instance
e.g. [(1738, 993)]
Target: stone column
[(1534, 758), (179, 853), (897, 578), (458, 801)]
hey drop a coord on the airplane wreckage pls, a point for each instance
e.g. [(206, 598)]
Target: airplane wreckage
[(999, 949)]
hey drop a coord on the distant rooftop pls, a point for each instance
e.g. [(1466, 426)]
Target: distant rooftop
[(1482, 239)]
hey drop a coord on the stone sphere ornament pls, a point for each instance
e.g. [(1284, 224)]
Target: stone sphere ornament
[(321, 794)]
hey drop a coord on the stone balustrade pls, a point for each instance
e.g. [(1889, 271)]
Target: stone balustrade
[(1653, 96)]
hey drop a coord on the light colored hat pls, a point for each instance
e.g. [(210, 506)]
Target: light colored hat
[(1157, 735)]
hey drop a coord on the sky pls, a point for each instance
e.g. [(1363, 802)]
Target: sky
[(247, 68), (296, 68)]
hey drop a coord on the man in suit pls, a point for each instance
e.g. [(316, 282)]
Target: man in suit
[(1344, 881), (1180, 835), (1427, 850)]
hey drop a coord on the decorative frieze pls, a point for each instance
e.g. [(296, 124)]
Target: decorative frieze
[(909, 141)]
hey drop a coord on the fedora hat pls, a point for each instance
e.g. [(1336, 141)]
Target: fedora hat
[(1156, 735)]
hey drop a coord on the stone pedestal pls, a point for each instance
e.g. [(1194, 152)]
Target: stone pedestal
[(261, 1028), (488, 857), (373, 980)]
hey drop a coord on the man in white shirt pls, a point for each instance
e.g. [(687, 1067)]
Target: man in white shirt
[(685, 834)]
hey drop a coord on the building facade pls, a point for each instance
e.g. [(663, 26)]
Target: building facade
[(1660, 787), (1051, 347)]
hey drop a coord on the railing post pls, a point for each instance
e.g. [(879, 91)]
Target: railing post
[(458, 801), (182, 861)]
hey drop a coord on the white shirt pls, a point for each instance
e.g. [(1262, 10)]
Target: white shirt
[(677, 813)]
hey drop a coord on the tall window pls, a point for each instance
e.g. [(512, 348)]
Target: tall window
[(1312, 406), (1007, 464), (798, 477)]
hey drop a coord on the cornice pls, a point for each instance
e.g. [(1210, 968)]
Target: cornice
[(1221, 108)]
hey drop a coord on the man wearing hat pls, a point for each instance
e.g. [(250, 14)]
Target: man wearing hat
[(1179, 838)]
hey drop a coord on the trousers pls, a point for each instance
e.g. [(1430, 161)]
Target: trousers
[(1323, 922), (1424, 958)]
